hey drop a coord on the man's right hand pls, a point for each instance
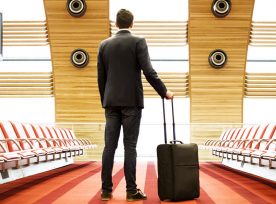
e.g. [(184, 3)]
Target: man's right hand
[(169, 95)]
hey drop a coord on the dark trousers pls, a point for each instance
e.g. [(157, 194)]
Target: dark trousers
[(129, 118)]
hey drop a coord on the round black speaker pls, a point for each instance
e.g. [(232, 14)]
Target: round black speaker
[(79, 58), (217, 58), (221, 8), (76, 8)]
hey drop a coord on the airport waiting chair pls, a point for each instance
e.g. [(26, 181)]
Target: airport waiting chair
[(13, 143)]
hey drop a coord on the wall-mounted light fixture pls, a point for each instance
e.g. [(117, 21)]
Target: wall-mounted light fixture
[(221, 8), (76, 8), (79, 58), (217, 58)]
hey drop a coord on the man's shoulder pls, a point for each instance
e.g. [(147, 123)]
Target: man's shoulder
[(138, 37), (105, 41)]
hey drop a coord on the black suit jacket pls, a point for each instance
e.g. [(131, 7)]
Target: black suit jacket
[(120, 61)]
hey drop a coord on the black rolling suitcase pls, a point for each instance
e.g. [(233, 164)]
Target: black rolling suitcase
[(178, 168)]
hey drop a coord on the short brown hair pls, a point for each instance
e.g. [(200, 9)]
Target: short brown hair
[(124, 18)]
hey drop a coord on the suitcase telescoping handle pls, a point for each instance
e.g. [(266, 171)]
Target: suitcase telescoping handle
[(173, 124), (164, 119)]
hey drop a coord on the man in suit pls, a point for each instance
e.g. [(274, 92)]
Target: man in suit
[(120, 61)]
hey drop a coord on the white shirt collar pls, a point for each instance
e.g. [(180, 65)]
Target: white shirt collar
[(124, 29)]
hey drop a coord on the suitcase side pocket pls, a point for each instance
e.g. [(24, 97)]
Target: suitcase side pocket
[(165, 172)]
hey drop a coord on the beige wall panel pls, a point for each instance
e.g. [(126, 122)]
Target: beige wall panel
[(76, 92), (217, 94)]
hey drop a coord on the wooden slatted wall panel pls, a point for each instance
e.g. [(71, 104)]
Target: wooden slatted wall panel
[(76, 92), (217, 94), (260, 85), (177, 81), (263, 34), (25, 33), (26, 84), (159, 33)]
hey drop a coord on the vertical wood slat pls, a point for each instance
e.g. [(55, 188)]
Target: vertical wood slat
[(221, 87), (216, 95), (76, 93)]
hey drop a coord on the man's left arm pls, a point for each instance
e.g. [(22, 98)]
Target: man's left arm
[(149, 72), (101, 75)]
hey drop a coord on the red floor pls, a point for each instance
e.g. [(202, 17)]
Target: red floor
[(80, 183)]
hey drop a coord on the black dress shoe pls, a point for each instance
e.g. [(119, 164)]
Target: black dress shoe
[(105, 196), (138, 195)]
